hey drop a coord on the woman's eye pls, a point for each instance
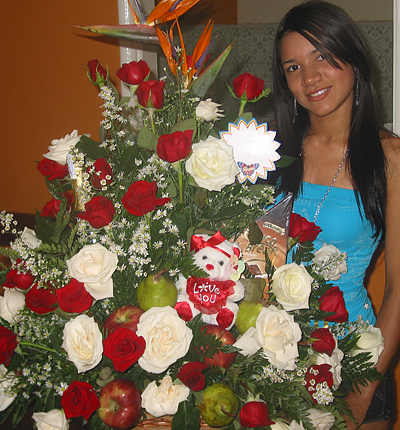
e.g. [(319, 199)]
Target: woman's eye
[(321, 57), (292, 68)]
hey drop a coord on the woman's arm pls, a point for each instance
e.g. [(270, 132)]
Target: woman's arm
[(389, 315)]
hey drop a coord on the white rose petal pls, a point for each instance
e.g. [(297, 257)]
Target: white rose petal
[(52, 420), (83, 342), (294, 425), (291, 285), (208, 110), (330, 262), (29, 237), (10, 303), (167, 338), (164, 399), (94, 265), (212, 165), (60, 147), (7, 380), (370, 341), (279, 425), (277, 334), (321, 420), (335, 360)]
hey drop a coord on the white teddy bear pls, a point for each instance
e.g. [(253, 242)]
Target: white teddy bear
[(214, 296)]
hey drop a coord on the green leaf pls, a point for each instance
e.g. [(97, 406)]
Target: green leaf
[(200, 197), (286, 160), (255, 234), (91, 148), (44, 227), (187, 124), (201, 85), (187, 417), (179, 219), (128, 158), (139, 32), (229, 212), (253, 289), (146, 139)]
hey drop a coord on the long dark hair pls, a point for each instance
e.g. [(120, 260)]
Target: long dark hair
[(330, 29)]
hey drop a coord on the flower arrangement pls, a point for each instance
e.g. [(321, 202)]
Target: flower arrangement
[(127, 303)]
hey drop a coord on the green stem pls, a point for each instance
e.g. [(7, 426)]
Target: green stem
[(151, 118), (180, 179), (35, 345), (242, 105)]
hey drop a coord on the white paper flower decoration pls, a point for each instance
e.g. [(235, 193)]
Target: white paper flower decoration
[(254, 149)]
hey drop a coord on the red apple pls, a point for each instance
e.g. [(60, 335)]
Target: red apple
[(120, 404), (221, 358), (126, 316)]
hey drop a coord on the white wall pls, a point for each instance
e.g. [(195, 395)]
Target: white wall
[(272, 11)]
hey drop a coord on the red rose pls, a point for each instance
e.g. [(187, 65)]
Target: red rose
[(97, 73), (124, 347), (51, 208), (52, 169), (333, 301), (133, 73), (176, 146), (74, 298), (191, 375), (141, 198), (255, 414), (322, 341), (8, 343), (318, 374), (302, 229), (150, 94), (101, 173), (99, 212), (41, 300), (247, 86), (79, 400), (15, 279)]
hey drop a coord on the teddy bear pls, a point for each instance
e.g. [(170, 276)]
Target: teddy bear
[(215, 295)]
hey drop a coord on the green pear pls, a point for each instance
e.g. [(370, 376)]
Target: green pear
[(247, 315), (156, 291), (219, 405)]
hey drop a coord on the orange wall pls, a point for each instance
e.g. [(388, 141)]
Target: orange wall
[(45, 91)]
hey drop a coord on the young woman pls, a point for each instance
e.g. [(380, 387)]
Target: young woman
[(347, 175)]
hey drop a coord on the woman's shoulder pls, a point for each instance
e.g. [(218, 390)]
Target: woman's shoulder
[(391, 146)]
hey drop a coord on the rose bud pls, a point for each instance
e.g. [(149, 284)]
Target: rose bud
[(333, 301), (255, 414), (191, 375), (100, 173), (20, 280), (176, 146), (322, 341), (79, 400), (133, 73), (150, 94), (52, 169), (8, 343), (248, 86), (99, 212), (96, 73), (302, 230), (41, 300)]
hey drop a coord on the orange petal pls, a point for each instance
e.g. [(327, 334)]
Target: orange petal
[(135, 17), (160, 10), (167, 49), (201, 46), (182, 8), (184, 66)]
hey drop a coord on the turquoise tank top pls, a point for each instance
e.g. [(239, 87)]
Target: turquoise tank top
[(342, 226)]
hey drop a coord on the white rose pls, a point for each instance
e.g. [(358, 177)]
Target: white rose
[(83, 342), (370, 341), (52, 420), (208, 110), (277, 334), (167, 338), (94, 265), (211, 164), (294, 425), (279, 425), (60, 147), (335, 360), (7, 380), (330, 262), (29, 237), (321, 420), (10, 303), (164, 399), (291, 285)]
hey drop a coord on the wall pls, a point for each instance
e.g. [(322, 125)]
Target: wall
[(272, 11), (45, 91)]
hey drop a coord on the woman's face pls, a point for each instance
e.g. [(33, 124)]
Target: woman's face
[(318, 86)]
